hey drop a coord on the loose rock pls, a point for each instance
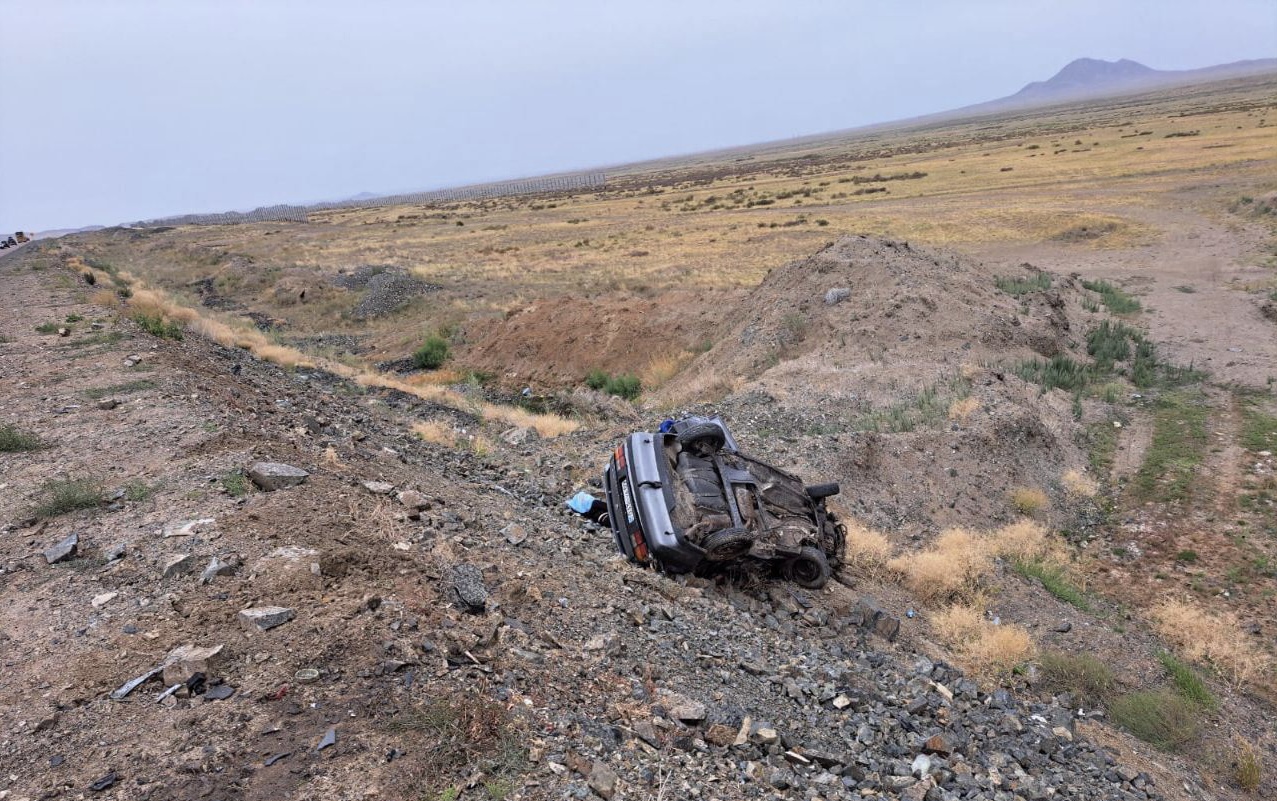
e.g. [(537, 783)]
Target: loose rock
[(468, 587), (63, 550), (271, 476), (264, 618)]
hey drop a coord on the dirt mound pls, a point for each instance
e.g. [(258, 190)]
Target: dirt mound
[(556, 342), (888, 312), (388, 291)]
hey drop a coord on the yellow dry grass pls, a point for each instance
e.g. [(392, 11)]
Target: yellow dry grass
[(437, 433), (962, 409), (1216, 638), (958, 564), (981, 645), (663, 367), (1027, 500), (105, 297), (866, 551), (1079, 485)]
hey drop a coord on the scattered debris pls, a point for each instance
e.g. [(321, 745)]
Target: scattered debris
[(105, 783), (514, 533), (271, 760), (219, 692), (306, 676), (103, 599), (330, 738), (837, 295)]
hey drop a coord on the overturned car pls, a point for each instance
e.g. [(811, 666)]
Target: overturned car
[(685, 499)]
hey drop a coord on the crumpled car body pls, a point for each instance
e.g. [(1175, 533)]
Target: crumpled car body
[(685, 499)]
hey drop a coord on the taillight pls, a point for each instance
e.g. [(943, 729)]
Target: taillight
[(620, 456)]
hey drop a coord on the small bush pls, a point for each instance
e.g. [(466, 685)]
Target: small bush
[(47, 328), (1085, 677), (985, 647), (432, 353), (1188, 556), (1016, 286), (14, 440), (1187, 682), (1060, 372), (1115, 299), (1055, 580), (1162, 718), (1216, 638), (626, 386), (1028, 500), (1079, 485), (157, 326), (74, 318), (1248, 767), (59, 497), (596, 379), (865, 550), (235, 483)]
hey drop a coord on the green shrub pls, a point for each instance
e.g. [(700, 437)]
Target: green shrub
[(1162, 717), (1060, 372), (13, 440), (1089, 680), (626, 386), (1189, 685), (1016, 286), (61, 496), (596, 379), (1117, 301), (157, 326), (235, 483), (47, 328), (1055, 580), (432, 353)]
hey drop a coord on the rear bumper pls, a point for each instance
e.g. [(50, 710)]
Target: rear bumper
[(639, 503)]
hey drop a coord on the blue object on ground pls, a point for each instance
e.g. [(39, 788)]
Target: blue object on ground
[(666, 426), (581, 502)]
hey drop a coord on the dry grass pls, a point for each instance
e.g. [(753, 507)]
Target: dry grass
[(1027, 500), (1079, 485), (866, 551), (957, 566), (437, 433), (982, 646), (1248, 765), (1214, 638), (105, 297), (961, 410), (547, 425), (954, 567), (664, 367)]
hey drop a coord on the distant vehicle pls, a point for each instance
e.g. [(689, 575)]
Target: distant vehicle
[(685, 499), (21, 237), (11, 242)]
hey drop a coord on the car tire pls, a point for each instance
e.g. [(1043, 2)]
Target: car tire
[(728, 543), (809, 569), (818, 491), (703, 437)]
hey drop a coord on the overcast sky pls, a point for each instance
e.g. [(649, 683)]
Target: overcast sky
[(112, 111)]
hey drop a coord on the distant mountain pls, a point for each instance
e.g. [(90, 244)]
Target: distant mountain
[(57, 232), (1090, 78)]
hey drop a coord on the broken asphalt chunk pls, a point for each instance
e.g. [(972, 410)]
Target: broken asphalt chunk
[(219, 693), (272, 476), (271, 760), (264, 618), (63, 550)]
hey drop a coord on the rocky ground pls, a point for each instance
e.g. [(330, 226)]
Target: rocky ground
[(408, 620)]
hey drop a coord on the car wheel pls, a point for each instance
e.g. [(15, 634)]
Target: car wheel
[(809, 568), (727, 543), (818, 491), (703, 437)]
